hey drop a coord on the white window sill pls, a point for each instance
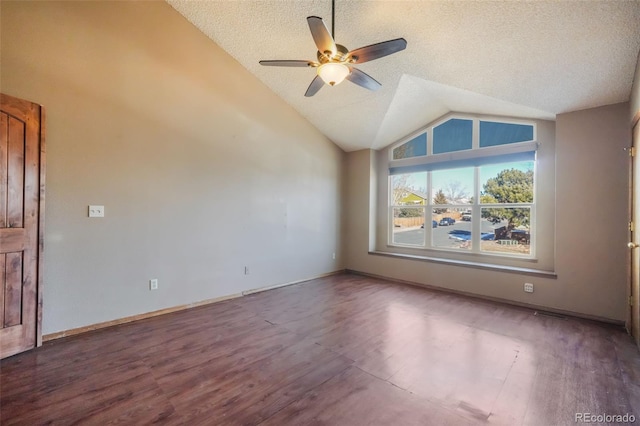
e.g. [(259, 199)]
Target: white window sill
[(468, 264)]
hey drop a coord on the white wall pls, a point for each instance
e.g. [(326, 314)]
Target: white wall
[(591, 170), (201, 168)]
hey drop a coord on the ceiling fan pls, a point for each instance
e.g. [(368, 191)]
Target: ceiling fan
[(335, 62)]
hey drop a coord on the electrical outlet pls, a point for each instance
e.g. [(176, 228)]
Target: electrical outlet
[(246, 270), (96, 211), (334, 256), (153, 284), (528, 287)]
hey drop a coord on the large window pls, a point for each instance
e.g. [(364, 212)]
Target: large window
[(472, 191)]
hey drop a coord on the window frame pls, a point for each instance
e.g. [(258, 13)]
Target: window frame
[(476, 207)]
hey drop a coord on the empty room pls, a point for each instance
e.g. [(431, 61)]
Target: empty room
[(319, 212)]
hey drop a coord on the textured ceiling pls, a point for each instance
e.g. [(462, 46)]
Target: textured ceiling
[(522, 59)]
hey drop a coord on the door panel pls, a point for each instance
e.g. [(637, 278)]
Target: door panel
[(21, 186), (13, 290), (15, 173), (4, 135)]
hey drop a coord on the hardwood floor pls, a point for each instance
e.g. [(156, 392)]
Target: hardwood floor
[(343, 350)]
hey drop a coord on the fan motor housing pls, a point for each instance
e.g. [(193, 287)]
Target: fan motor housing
[(342, 55)]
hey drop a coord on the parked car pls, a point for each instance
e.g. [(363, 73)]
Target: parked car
[(466, 217), (521, 236), (446, 221), (460, 233), (463, 235), (434, 224)]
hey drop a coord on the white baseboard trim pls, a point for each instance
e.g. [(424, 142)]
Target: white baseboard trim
[(541, 309), (105, 324), (271, 287)]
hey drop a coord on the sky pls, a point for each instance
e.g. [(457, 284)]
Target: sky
[(441, 178)]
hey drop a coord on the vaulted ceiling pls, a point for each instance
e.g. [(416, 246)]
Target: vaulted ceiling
[(521, 59)]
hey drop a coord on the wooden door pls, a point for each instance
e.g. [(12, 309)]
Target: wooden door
[(634, 315), (21, 214)]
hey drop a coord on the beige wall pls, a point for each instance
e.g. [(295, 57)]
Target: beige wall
[(360, 221), (204, 171), (201, 168), (591, 215)]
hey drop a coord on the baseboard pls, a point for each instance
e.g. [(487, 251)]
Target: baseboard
[(272, 287), (541, 309), (92, 327)]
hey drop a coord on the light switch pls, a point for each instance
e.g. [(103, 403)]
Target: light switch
[(96, 211)]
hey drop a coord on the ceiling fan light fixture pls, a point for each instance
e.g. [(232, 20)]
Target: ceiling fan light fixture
[(335, 61), (333, 73)]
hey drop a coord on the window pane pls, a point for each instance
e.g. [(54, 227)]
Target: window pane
[(506, 183), (416, 147), (511, 229), (492, 133), (449, 231), (409, 189), (408, 226), (452, 135), (453, 186)]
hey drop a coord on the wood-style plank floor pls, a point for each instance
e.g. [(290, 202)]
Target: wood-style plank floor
[(343, 350)]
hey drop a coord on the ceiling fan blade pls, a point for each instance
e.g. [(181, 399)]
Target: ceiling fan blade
[(315, 85), (363, 79), (321, 35), (289, 63), (378, 50)]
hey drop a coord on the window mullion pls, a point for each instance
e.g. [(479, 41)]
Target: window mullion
[(475, 134), (428, 213), (475, 217)]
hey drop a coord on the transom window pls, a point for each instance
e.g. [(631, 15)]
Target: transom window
[(452, 135), (471, 191), (416, 147)]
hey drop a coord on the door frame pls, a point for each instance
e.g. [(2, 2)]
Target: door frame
[(633, 304), (17, 107)]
